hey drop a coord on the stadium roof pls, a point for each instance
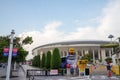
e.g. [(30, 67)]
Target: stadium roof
[(75, 42)]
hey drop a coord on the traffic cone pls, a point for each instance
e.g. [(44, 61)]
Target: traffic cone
[(109, 74)]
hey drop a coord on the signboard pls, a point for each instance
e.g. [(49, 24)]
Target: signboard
[(14, 52), (71, 51), (82, 62), (5, 51), (82, 65), (54, 72)]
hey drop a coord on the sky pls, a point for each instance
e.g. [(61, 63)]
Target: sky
[(49, 21)]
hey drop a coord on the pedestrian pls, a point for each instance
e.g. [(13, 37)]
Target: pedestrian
[(72, 70), (94, 66)]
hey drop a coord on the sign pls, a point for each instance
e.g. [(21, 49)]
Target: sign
[(5, 51), (14, 51), (71, 51), (82, 65), (54, 72), (82, 62)]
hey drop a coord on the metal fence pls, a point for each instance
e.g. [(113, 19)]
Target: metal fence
[(35, 72)]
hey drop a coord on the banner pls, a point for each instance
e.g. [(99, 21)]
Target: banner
[(5, 51), (14, 52)]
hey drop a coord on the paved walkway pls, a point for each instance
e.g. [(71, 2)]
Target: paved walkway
[(21, 72), (101, 70), (26, 67)]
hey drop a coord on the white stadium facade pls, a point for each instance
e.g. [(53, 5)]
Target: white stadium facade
[(81, 48)]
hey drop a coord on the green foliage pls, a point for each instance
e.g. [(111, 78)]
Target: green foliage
[(87, 57), (21, 55), (48, 60), (5, 41), (55, 60), (2, 58), (108, 59), (27, 40), (36, 61), (43, 61)]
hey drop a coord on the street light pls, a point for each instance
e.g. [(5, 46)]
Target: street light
[(10, 55), (111, 36)]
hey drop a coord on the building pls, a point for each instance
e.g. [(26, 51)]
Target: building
[(81, 48)]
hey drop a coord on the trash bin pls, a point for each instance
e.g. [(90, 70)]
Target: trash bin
[(87, 71)]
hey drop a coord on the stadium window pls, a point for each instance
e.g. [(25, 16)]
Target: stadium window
[(62, 54), (96, 54), (107, 53), (79, 53), (91, 53), (65, 53)]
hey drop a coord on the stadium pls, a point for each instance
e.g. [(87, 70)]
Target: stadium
[(80, 48)]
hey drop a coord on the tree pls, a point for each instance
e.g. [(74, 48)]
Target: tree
[(21, 55), (48, 60), (27, 40), (36, 61), (55, 60), (43, 61), (87, 57), (5, 41), (108, 59)]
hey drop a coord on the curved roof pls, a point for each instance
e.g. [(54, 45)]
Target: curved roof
[(74, 42)]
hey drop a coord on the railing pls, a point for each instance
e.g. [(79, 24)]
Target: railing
[(35, 72)]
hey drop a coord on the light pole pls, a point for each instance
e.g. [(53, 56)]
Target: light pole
[(111, 36), (118, 50), (10, 55)]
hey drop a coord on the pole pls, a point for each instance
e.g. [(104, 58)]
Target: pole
[(10, 55), (119, 55)]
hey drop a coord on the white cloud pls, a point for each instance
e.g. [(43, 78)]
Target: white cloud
[(48, 34), (109, 23), (82, 33)]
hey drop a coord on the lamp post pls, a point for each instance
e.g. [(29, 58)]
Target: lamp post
[(111, 36), (108, 61), (118, 54), (10, 55)]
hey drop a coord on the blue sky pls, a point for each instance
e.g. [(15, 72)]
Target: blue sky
[(48, 21), (27, 15)]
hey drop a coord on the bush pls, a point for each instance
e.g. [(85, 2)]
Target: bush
[(108, 59), (55, 60), (48, 60), (87, 57), (43, 61), (36, 61)]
